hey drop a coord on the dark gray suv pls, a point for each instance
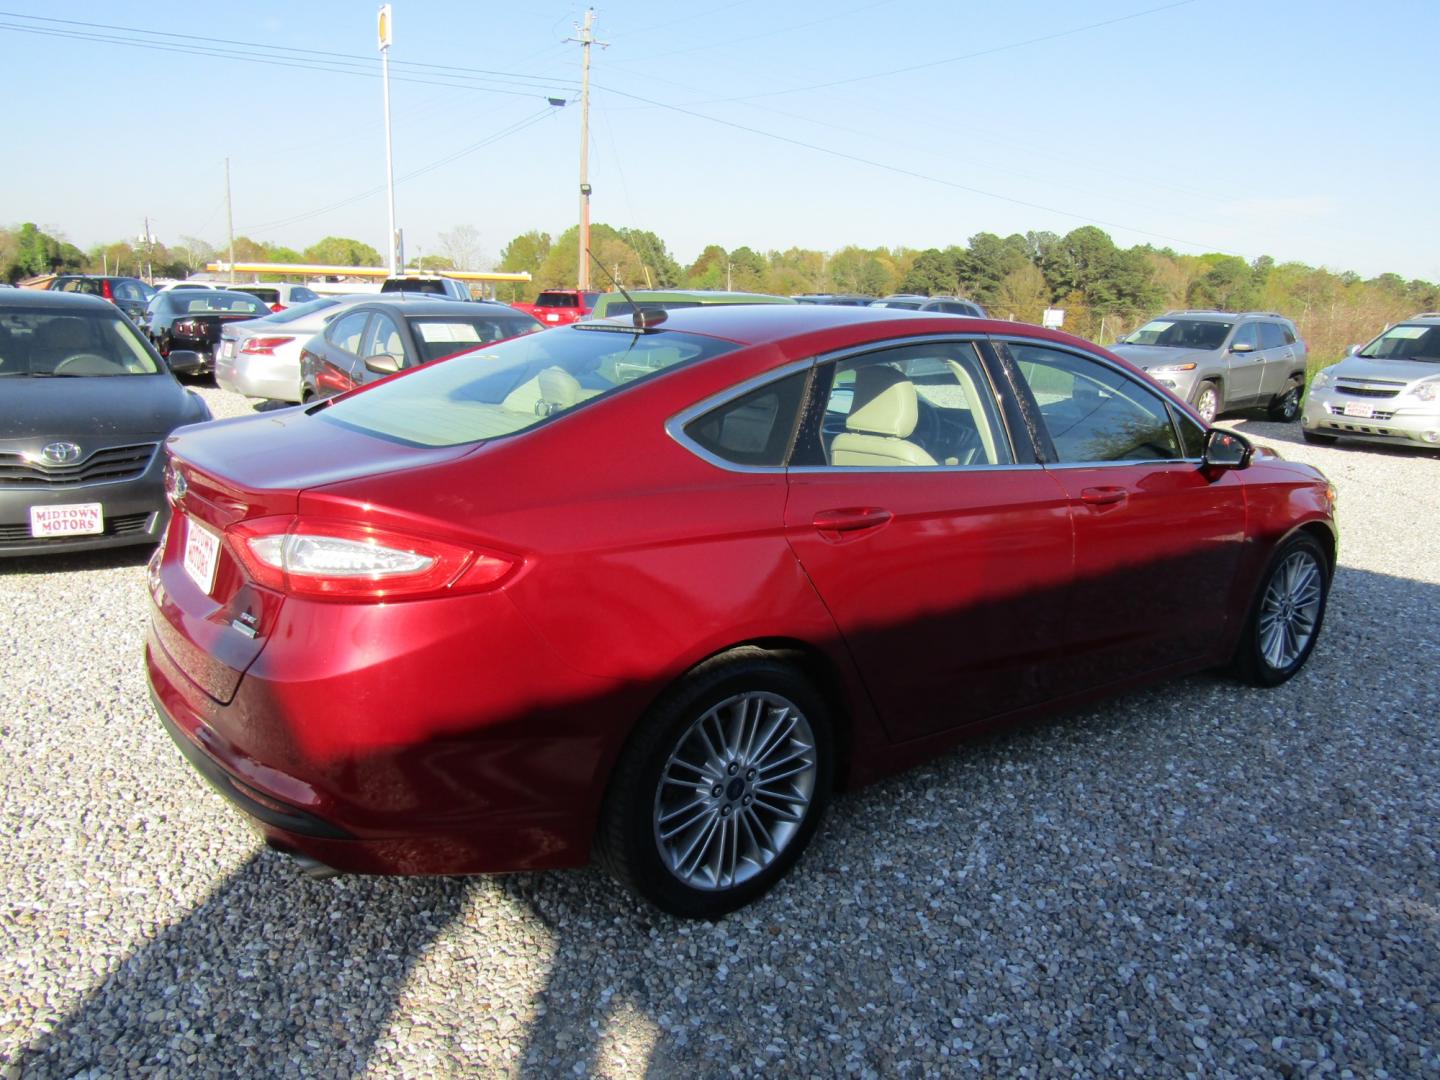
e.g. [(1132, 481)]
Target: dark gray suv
[(1223, 360)]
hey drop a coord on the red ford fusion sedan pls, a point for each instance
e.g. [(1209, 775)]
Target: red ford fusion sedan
[(656, 588)]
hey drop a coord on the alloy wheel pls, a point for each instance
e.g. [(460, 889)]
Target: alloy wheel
[(1207, 403), (735, 790), (1290, 609)]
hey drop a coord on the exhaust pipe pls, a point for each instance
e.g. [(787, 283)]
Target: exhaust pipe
[(308, 865)]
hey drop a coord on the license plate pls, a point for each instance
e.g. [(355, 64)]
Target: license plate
[(226, 349), (73, 519), (1359, 408), (202, 552)]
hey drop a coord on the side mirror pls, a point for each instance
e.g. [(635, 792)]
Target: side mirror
[(382, 364), (1352, 350), (1242, 346), (185, 362), (1225, 450)]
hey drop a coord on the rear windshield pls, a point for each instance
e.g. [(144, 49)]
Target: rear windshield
[(301, 311), (441, 337), (214, 302), (42, 343), (556, 299), (516, 384), (624, 307), (1180, 334), (415, 285), (270, 296)]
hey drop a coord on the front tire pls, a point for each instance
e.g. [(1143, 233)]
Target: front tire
[(1207, 401), (721, 787), (1286, 407), (1287, 613)]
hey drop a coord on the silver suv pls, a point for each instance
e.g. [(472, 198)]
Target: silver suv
[(1388, 391), (1223, 360)]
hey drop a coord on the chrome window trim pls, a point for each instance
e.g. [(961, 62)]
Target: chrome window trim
[(675, 426), (905, 470)]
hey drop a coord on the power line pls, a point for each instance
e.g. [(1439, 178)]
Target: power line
[(954, 59), (271, 46), (901, 171), (327, 67)]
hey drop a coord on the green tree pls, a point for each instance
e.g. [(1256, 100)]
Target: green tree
[(987, 261), (665, 272), (867, 272), (933, 273), (337, 251), (747, 270), (524, 254)]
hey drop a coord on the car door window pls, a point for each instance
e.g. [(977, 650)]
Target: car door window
[(1094, 412), (383, 336), (927, 405), (1271, 336), (127, 290), (1246, 335), (756, 428), (345, 333)]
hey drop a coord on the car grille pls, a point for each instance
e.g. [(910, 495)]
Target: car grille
[(106, 466), (1375, 414), (1367, 391), (119, 525)]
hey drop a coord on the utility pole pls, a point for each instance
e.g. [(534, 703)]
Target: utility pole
[(729, 267), (585, 40), (230, 220), (386, 29)]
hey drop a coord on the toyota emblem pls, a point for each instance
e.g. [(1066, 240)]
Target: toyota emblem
[(60, 453)]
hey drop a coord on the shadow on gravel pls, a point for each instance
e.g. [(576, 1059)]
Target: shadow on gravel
[(285, 966), (1188, 878)]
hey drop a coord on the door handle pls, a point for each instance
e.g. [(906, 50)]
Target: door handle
[(1104, 496), (850, 520)]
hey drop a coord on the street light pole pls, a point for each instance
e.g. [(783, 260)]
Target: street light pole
[(386, 29)]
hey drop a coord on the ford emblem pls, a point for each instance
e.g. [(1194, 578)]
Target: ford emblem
[(60, 453)]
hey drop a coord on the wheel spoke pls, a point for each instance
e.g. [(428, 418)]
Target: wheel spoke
[(687, 824)]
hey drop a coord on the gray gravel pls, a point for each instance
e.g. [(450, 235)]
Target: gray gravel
[(1195, 879)]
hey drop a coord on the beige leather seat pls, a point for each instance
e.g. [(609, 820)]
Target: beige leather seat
[(882, 416)]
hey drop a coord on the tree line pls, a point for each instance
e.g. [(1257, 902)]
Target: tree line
[(1104, 290)]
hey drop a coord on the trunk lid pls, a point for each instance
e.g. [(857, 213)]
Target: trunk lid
[(211, 617)]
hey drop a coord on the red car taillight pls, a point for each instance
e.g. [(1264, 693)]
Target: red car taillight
[(105, 290), (265, 346), (341, 560), (277, 307)]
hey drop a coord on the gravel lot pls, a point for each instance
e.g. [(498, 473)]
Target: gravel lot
[(1197, 878)]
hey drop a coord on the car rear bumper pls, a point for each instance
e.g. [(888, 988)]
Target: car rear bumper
[(1324, 414), (275, 378), (133, 512), (339, 758)]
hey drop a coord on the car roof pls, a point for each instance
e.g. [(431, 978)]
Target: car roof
[(44, 298), (432, 305), (759, 324)]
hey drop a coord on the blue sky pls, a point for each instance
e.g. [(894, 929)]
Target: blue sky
[(1301, 131)]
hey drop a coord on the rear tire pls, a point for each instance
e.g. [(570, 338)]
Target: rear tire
[(1286, 407), (1286, 614), (721, 787), (1207, 401)]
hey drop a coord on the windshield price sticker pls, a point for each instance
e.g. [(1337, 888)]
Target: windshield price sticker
[(202, 552), (74, 519)]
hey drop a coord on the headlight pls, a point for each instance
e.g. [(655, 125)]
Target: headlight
[(1174, 367), (1322, 378), (1429, 390)]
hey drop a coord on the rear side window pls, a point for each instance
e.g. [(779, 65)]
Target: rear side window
[(755, 429), (1271, 336)]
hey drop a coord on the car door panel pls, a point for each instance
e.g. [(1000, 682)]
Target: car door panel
[(1156, 535), (1244, 370)]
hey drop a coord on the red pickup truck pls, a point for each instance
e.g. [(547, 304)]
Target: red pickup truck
[(556, 307)]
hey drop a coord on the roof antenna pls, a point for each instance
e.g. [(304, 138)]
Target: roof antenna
[(643, 318)]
